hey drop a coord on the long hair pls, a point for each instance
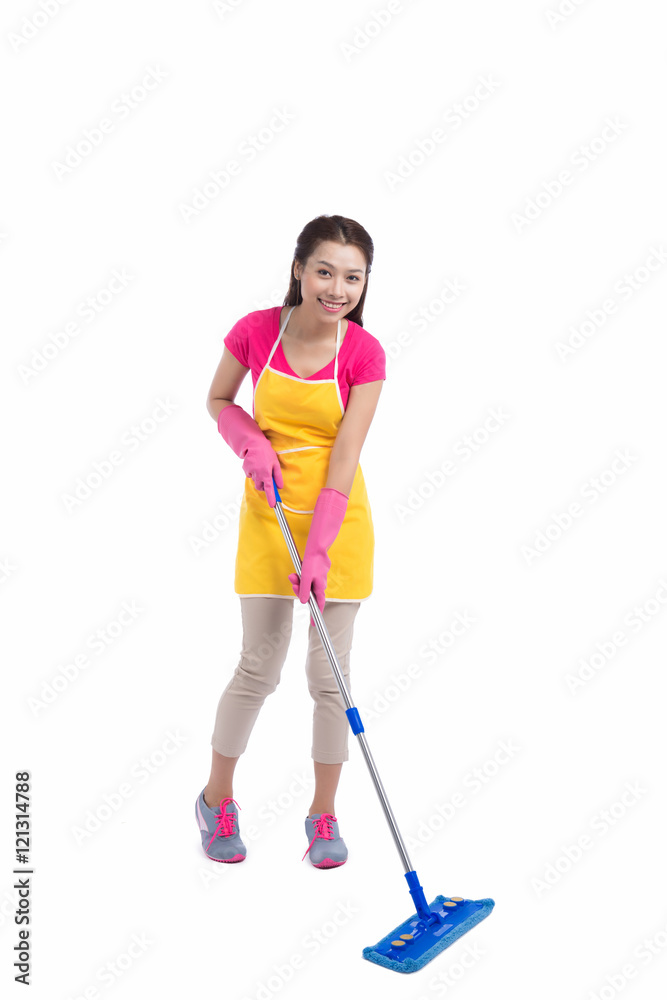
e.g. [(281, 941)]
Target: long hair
[(336, 229)]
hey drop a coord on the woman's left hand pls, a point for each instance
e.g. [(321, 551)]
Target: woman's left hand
[(327, 520), (314, 571)]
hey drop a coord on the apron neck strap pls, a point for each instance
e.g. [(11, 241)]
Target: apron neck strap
[(282, 330)]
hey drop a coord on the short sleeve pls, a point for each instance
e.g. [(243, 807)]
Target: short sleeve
[(237, 341), (371, 364)]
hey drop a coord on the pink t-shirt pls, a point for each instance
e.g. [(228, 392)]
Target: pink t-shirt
[(361, 357)]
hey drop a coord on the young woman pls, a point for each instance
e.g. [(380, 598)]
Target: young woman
[(317, 376)]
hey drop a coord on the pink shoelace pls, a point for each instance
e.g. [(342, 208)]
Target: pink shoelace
[(323, 829), (225, 824)]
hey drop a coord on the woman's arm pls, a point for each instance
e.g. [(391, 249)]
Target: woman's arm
[(359, 413), (226, 383)]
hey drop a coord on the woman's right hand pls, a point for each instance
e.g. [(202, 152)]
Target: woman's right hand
[(261, 464)]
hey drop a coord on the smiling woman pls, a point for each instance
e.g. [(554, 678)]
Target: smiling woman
[(317, 376)]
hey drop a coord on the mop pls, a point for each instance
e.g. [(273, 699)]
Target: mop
[(432, 928)]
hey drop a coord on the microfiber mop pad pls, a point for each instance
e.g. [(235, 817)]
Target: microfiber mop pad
[(416, 941)]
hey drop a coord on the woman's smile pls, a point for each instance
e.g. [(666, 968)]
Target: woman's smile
[(331, 306)]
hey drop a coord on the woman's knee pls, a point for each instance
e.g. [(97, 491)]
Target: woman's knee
[(321, 679), (248, 683), (267, 631), (255, 673)]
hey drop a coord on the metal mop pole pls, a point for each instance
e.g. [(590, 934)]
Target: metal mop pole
[(354, 719)]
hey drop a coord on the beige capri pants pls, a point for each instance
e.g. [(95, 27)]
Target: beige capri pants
[(267, 630)]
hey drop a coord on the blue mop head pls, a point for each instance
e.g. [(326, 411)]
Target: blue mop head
[(416, 941)]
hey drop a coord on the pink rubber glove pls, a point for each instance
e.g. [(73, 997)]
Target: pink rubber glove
[(246, 438), (327, 519)]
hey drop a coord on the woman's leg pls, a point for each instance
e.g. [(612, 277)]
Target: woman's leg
[(220, 782), (326, 783), (330, 723), (267, 629)]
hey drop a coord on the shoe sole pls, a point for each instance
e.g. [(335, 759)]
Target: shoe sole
[(228, 861), (328, 863)]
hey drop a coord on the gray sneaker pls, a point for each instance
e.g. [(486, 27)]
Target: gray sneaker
[(219, 830), (327, 848)]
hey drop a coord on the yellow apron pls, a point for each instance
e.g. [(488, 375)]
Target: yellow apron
[(301, 417)]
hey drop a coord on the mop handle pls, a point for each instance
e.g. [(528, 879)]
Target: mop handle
[(351, 712)]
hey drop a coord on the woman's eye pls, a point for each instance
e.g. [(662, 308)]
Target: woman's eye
[(322, 271)]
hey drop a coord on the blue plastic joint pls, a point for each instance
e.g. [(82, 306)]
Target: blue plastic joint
[(355, 720), (418, 896)]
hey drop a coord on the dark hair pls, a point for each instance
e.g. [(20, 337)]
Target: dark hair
[(336, 229)]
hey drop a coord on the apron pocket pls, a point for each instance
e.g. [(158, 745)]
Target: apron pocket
[(305, 473)]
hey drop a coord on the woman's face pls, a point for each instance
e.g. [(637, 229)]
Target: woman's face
[(333, 279)]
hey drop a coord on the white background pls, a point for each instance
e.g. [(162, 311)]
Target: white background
[(361, 98)]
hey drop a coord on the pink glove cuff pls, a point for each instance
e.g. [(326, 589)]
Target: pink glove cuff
[(327, 520), (329, 492), (246, 438), (233, 421)]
